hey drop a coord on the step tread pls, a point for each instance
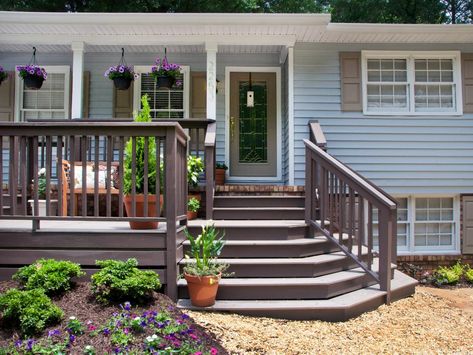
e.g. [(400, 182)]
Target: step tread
[(263, 223), (343, 301), (309, 260), (299, 241), (263, 197), (259, 208)]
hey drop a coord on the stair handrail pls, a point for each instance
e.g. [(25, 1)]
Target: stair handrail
[(209, 142), (334, 194)]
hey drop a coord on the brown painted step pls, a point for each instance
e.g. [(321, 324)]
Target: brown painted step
[(254, 230), (339, 308), (259, 201), (287, 267), (294, 248), (321, 287), (259, 213)]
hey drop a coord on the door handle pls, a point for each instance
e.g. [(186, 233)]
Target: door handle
[(232, 127)]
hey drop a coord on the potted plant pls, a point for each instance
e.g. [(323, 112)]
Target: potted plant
[(121, 74), (143, 116), (220, 169), (195, 167), (165, 73), (193, 206), (32, 75), (203, 272), (42, 196), (3, 75)]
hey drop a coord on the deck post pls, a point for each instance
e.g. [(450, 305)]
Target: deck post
[(77, 78)]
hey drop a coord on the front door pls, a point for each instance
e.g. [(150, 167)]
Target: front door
[(252, 125)]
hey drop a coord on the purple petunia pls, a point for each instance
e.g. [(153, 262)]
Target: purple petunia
[(120, 71), (24, 70)]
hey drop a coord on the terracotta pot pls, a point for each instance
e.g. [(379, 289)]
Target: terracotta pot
[(191, 215), (203, 289), (122, 83), (164, 82), (152, 210), (33, 81), (219, 176)]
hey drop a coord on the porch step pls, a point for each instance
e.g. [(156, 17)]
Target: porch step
[(259, 213), (287, 267), (321, 287), (259, 201), (255, 229), (338, 308), (294, 248)]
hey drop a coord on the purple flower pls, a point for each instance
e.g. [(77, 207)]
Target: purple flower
[(106, 331), (18, 343), (54, 332), (72, 338), (31, 71), (29, 344), (185, 316), (127, 306)]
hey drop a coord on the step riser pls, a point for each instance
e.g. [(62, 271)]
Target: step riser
[(287, 292), (275, 251), (258, 233), (258, 202), (289, 270), (259, 214)]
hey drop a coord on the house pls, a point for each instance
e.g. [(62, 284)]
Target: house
[(393, 102)]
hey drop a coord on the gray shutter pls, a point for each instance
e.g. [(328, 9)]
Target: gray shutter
[(7, 99), (467, 225), (198, 95), (86, 94), (467, 80), (123, 102), (350, 77)]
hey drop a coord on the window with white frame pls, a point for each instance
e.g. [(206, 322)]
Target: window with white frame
[(425, 225), (164, 103), (49, 102), (411, 83)]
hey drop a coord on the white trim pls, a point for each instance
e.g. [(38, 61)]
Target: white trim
[(410, 56), (276, 70), (185, 70), (211, 80), (290, 114), (53, 69), (77, 79)]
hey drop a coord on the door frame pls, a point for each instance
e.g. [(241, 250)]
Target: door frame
[(276, 70)]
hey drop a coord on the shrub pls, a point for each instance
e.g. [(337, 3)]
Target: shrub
[(31, 310), (122, 280), (193, 204), (53, 276), (468, 275), (195, 166), (447, 275)]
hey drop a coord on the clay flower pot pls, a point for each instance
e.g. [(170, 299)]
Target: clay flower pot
[(191, 215), (219, 176), (122, 83), (152, 210), (203, 289)]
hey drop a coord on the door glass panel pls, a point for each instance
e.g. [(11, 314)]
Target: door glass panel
[(253, 125)]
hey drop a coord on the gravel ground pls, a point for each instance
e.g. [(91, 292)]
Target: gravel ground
[(429, 322)]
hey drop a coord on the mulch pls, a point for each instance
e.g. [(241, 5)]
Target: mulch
[(79, 303)]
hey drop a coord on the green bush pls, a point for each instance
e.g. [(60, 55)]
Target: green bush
[(53, 276), (448, 275), (123, 281), (468, 275), (31, 310)]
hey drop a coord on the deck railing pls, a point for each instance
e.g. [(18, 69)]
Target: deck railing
[(348, 209)]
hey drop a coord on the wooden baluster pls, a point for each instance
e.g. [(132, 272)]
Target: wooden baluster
[(133, 177), (108, 182), (13, 174), (35, 183), (332, 204), (341, 208), (323, 196), (309, 189), (72, 171), (351, 219), (1, 175), (121, 170), (23, 175), (361, 224), (60, 193), (49, 158), (96, 175), (370, 235), (83, 152), (145, 176)]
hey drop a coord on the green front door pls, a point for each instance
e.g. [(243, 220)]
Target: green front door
[(252, 128)]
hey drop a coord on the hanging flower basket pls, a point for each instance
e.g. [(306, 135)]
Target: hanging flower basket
[(121, 74), (32, 74), (165, 73), (3, 75)]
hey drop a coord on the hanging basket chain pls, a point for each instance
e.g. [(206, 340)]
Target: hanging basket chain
[(33, 58), (122, 60)]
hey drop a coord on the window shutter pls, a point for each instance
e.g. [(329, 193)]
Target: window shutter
[(198, 95), (7, 98), (467, 224), (350, 77), (86, 94), (467, 79), (123, 102)]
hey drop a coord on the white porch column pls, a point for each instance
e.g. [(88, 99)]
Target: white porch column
[(77, 78), (211, 49), (290, 112)]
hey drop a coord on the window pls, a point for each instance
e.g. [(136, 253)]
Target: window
[(165, 104), (414, 83), (49, 102), (425, 225)]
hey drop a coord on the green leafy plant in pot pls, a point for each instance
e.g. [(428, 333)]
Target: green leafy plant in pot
[(139, 172), (195, 167), (193, 206), (220, 169), (202, 271)]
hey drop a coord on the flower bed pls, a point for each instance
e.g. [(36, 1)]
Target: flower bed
[(93, 328)]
